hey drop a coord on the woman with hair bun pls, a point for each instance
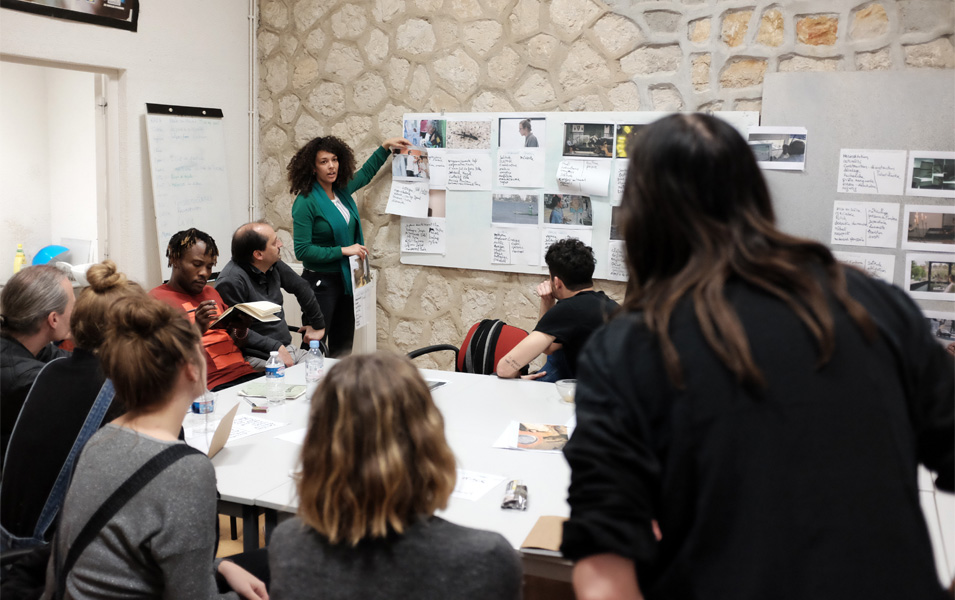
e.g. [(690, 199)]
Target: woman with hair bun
[(161, 542), (375, 467), (59, 415)]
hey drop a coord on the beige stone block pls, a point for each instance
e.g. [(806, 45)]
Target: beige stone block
[(926, 15), (442, 100), (525, 17), (343, 62), (408, 335), (698, 31), (398, 283), (937, 54), (503, 68), (376, 48), (541, 47), (772, 28), (281, 214), (459, 71), (878, 60), (428, 6), (711, 107), (420, 83), (315, 42), (398, 70), (327, 99), (464, 10), (384, 245), (870, 22), (285, 236), (749, 104), (308, 12), (806, 63), (666, 98), (390, 120), (817, 30), (437, 296), (349, 22), (477, 304), (650, 60), (384, 11), (383, 333), (625, 96), (288, 108), (370, 91), (274, 15), (535, 92), (415, 36), (266, 110), (276, 74), (481, 36), (583, 66), (272, 172), (571, 16), (353, 128), (700, 72), (662, 21), (743, 72), (289, 45), (307, 128), (267, 42), (585, 103), (273, 139), (616, 34), (735, 26), (488, 101), (305, 72), (520, 309)]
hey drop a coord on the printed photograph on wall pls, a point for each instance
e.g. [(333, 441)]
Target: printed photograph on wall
[(436, 203), (511, 208), (568, 209), (121, 14), (521, 132), (929, 228), (588, 139), (782, 148), (931, 174), (410, 164), (615, 220), (469, 135), (625, 134), (942, 326), (931, 276), (427, 133)]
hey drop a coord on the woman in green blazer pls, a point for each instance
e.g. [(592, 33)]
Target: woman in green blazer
[(327, 228)]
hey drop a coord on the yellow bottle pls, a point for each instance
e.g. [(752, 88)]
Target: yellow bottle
[(19, 260)]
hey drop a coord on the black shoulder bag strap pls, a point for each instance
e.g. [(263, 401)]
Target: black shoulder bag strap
[(111, 506)]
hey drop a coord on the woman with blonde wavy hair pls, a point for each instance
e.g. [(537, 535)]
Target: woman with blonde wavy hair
[(375, 467)]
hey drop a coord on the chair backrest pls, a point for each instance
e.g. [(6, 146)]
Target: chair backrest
[(486, 344)]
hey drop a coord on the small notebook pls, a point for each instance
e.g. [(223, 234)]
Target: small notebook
[(262, 310)]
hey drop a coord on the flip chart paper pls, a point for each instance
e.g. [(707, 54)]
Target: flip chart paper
[(552, 235), (880, 266), (872, 172), (520, 168), (583, 176), (515, 246), (617, 261), (468, 171), (423, 235), (873, 224), (408, 199)]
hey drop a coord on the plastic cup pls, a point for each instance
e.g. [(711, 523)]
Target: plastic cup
[(566, 388)]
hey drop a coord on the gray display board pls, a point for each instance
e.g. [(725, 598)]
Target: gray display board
[(887, 110), (468, 224)]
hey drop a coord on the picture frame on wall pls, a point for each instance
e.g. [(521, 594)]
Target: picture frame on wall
[(121, 14)]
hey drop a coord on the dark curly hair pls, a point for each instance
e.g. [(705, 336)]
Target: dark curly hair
[(301, 169), (183, 240), (573, 261)]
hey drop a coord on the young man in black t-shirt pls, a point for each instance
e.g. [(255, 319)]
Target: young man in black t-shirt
[(570, 310)]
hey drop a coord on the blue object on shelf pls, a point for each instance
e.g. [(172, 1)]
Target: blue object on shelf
[(48, 254)]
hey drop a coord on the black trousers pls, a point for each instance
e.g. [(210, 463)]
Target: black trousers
[(337, 308)]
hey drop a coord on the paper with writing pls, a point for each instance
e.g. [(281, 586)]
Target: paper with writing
[(871, 172), (472, 485), (515, 246), (874, 224), (364, 303), (616, 261), (584, 176), (468, 171), (520, 168), (619, 180), (880, 266), (423, 235), (439, 168), (551, 235), (408, 199)]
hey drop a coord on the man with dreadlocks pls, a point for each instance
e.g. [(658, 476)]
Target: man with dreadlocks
[(192, 255)]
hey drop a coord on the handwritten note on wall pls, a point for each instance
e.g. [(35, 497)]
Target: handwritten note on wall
[(584, 176), (469, 171), (616, 260), (408, 199), (520, 168), (619, 180), (880, 266), (514, 246), (424, 236), (552, 235), (873, 224), (872, 172), (439, 168)]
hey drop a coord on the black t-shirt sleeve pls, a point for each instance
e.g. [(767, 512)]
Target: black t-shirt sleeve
[(559, 321)]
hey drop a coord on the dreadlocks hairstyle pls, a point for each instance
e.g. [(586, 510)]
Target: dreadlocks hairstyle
[(180, 242), (301, 169), (696, 213)]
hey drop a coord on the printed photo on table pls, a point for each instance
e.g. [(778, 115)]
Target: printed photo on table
[(515, 209), (625, 134), (929, 228), (521, 132), (588, 139), (410, 163), (568, 209)]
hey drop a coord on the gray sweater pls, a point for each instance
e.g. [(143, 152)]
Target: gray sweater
[(160, 544), (433, 559)]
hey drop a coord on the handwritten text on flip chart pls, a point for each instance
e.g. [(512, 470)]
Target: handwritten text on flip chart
[(880, 266), (619, 180), (617, 261), (439, 168), (873, 224), (872, 172), (423, 235), (520, 168), (469, 171), (408, 199), (586, 176), (514, 246)]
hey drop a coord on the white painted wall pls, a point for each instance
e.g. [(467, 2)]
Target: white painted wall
[(185, 52)]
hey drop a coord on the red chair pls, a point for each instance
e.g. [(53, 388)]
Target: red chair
[(484, 346)]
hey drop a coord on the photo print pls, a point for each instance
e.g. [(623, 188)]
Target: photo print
[(931, 174), (437, 200), (929, 228), (513, 208), (427, 133), (521, 132), (942, 326), (779, 147), (931, 276), (469, 135), (361, 271), (410, 164), (568, 209), (588, 140), (625, 134), (616, 218)]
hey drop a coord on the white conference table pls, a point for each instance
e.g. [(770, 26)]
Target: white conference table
[(254, 472)]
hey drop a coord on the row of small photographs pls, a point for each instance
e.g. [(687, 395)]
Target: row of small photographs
[(516, 208), (589, 140)]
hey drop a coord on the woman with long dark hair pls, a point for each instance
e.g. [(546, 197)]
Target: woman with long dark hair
[(327, 227), (751, 425)]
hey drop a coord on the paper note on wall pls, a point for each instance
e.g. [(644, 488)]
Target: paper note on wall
[(439, 168), (423, 235), (584, 176), (873, 224), (871, 172), (515, 246), (619, 180), (880, 266), (469, 171), (552, 235), (408, 199), (616, 261), (520, 168)]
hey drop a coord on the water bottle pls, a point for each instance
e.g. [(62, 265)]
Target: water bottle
[(275, 379), (19, 259), (314, 368)]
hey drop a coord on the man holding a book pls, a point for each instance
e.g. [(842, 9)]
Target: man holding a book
[(255, 274)]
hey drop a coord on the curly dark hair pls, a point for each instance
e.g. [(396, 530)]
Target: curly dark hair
[(183, 240), (573, 262), (301, 169)]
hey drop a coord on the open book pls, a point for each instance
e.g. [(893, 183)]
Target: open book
[(262, 310)]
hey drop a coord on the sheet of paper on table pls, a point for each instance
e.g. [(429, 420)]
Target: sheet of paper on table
[(536, 437), (472, 485), (242, 426), (296, 436)]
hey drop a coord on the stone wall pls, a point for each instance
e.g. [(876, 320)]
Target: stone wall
[(353, 69)]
